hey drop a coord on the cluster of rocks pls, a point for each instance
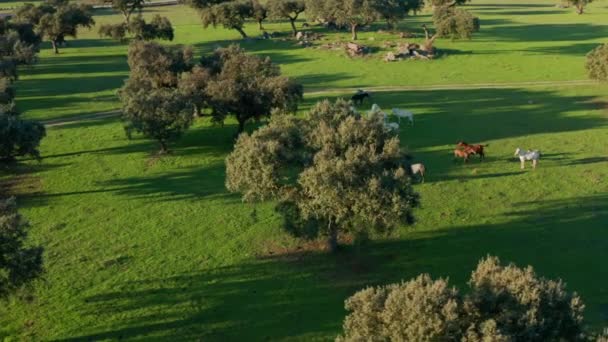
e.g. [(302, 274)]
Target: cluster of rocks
[(409, 51), (356, 50)]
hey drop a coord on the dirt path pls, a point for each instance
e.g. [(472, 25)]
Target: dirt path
[(320, 92)]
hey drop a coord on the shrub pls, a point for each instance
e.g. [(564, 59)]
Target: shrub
[(455, 23), (505, 303), (597, 63)]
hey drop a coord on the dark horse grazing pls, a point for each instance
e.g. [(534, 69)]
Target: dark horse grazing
[(478, 149), (360, 96)]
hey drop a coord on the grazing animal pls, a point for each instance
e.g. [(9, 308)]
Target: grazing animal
[(464, 154), (360, 96), (478, 149), (418, 169), (402, 113), (534, 156), (391, 126)]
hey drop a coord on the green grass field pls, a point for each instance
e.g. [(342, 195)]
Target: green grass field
[(142, 248)]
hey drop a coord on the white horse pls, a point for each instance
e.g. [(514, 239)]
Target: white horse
[(418, 169), (534, 156), (391, 126), (403, 113)]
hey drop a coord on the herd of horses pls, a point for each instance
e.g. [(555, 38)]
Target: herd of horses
[(462, 151)]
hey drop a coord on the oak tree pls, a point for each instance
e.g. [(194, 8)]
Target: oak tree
[(286, 9)]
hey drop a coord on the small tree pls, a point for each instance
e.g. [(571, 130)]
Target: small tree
[(505, 303), (247, 87), (455, 23), (64, 22), (18, 138), (354, 13), (259, 13), (597, 63), (579, 5), (288, 9), (125, 7), (337, 169), (393, 10), (231, 15), (113, 31), (158, 28), (152, 103), (19, 264)]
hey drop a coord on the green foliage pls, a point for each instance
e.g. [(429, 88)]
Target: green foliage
[(151, 103), (19, 264), (394, 11), (18, 45), (286, 9), (18, 137), (247, 86), (455, 23), (125, 7), (230, 15), (60, 22), (505, 303), (597, 63), (113, 31), (351, 13), (259, 12), (158, 28), (341, 170)]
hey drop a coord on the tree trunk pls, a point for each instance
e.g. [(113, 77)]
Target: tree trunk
[(293, 26), (163, 147), (241, 125), (243, 34), (580, 9), (260, 25), (353, 30), (54, 44), (332, 238)]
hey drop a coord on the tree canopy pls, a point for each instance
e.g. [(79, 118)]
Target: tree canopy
[(597, 63), (151, 102), (19, 264), (231, 15), (247, 87), (579, 5), (335, 169), (455, 23), (286, 9), (56, 20), (352, 13), (125, 7), (504, 303)]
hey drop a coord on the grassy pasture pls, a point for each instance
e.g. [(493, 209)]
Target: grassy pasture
[(142, 248)]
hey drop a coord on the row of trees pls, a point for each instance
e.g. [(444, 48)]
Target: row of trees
[(353, 14), (19, 263), (167, 88), (503, 303)]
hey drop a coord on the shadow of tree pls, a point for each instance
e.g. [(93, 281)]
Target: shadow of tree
[(300, 295)]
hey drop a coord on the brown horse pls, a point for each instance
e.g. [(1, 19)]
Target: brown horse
[(464, 154), (477, 149)]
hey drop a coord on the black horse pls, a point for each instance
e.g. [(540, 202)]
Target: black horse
[(360, 96)]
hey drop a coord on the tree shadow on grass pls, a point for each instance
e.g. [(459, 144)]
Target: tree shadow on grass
[(545, 32), (300, 295)]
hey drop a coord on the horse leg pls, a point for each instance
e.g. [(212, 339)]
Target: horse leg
[(522, 164), (534, 164)]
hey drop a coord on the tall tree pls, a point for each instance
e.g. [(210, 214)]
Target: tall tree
[(152, 104), (125, 7), (504, 303), (579, 5), (455, 23), (18, 137), (352, 13), (286, 9), (336, 169), (19, 264), (231, 15), (247, 87), (158, 28), (57, 23), (259, 12)]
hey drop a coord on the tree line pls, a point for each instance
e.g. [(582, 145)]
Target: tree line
[(351, 14), (19, 262)]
